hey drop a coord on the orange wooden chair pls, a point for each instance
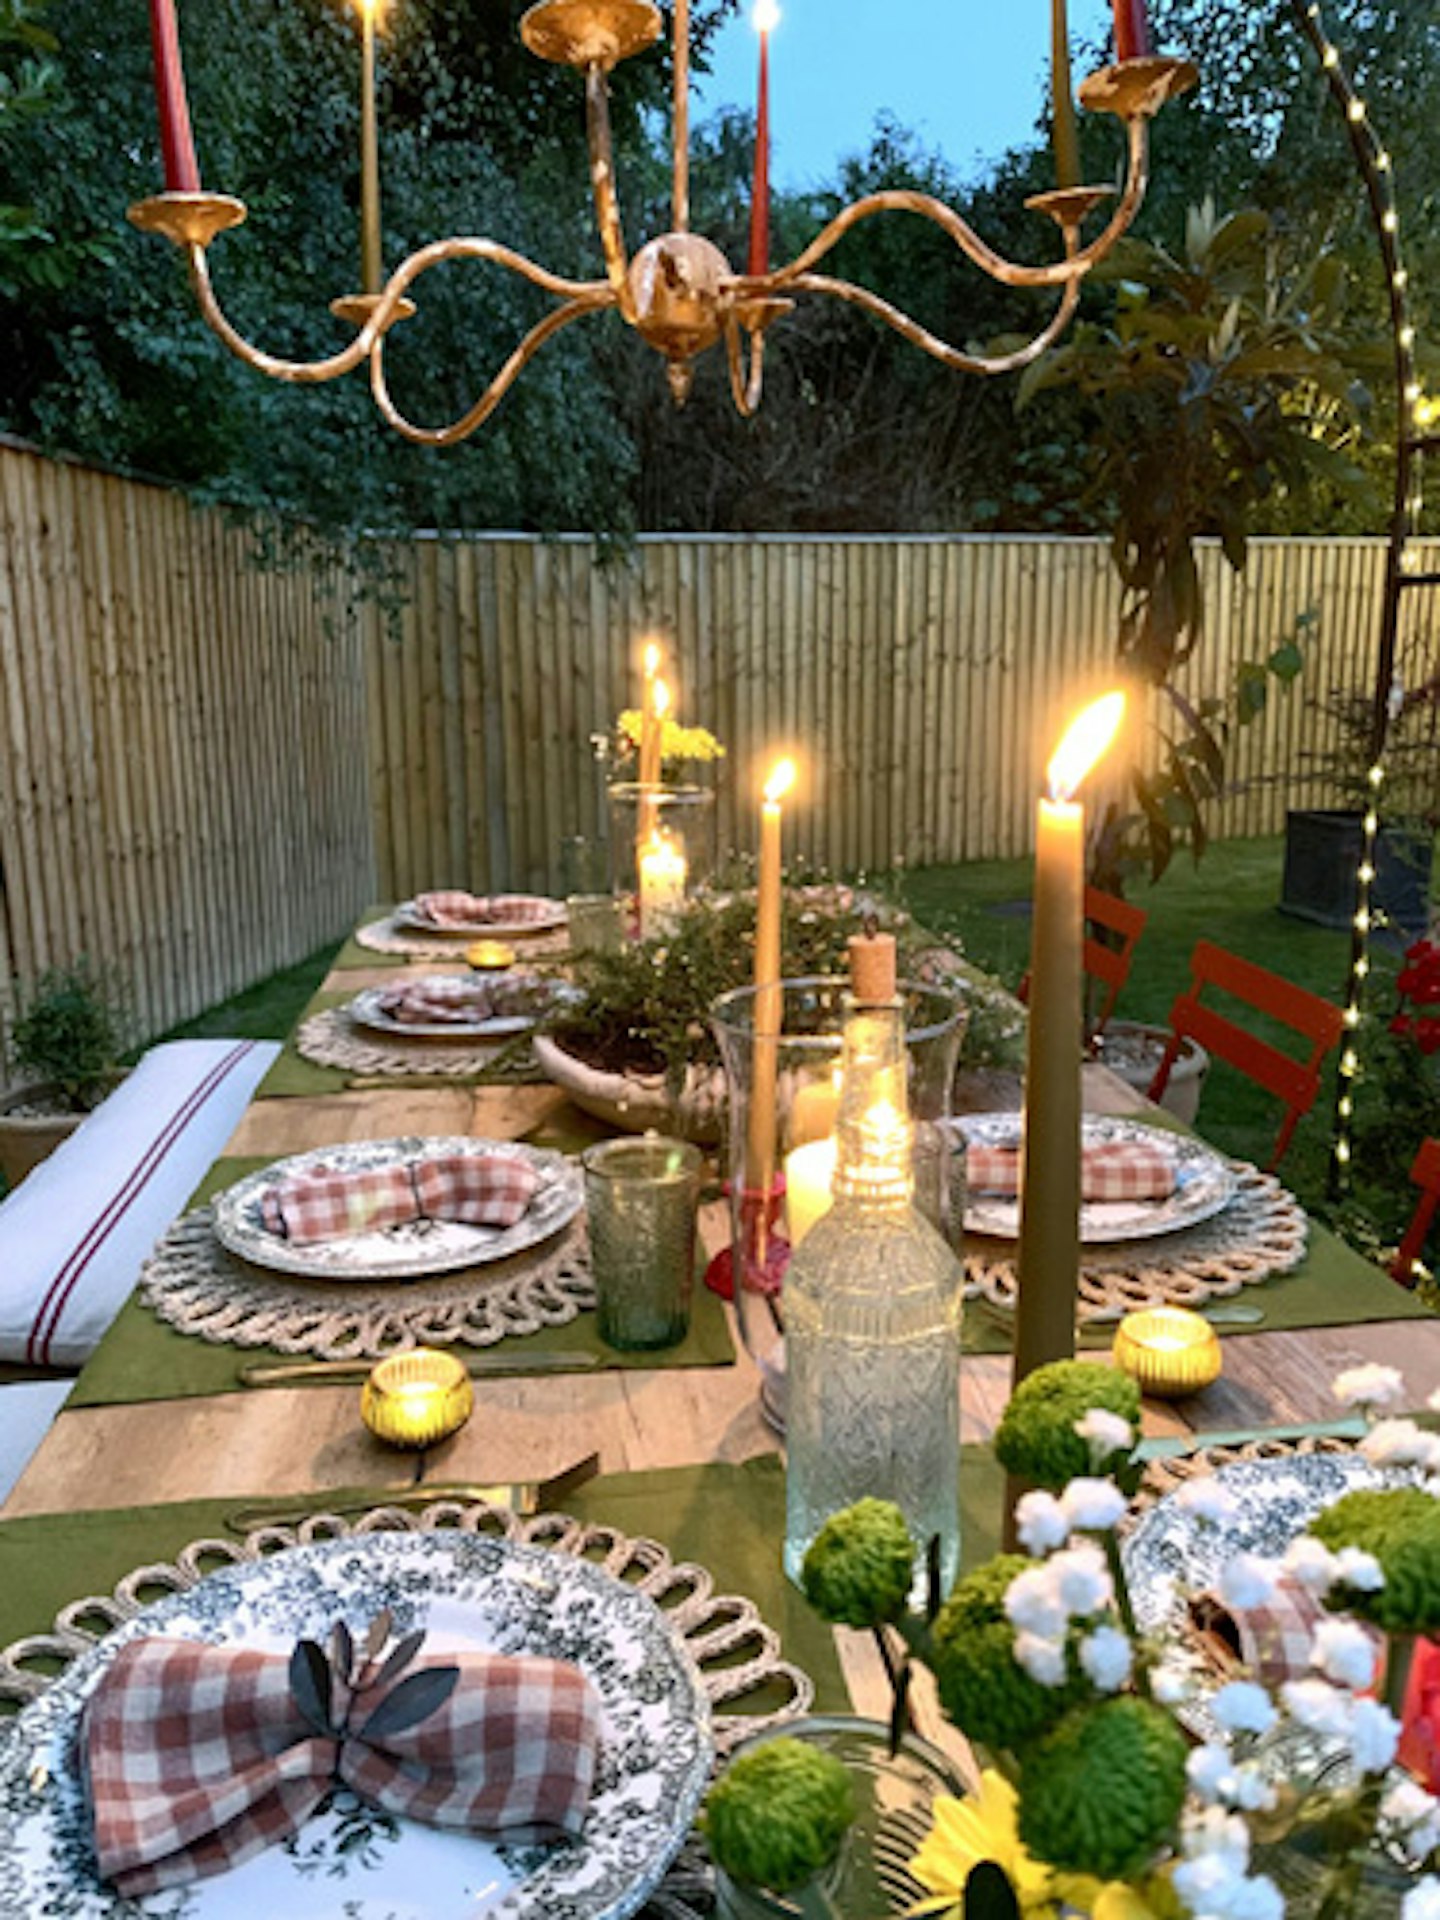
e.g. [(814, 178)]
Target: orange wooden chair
[(1109, 964), (1425, 1172), (1292, 1080)]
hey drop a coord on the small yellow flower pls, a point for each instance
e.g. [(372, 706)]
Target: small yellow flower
[(676, 742)]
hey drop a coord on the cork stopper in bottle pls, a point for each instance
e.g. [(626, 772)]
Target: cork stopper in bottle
[(872, 968)]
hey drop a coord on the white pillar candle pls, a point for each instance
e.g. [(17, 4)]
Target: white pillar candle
[(662, 885)]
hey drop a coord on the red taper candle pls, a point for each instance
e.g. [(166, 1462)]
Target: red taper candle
[(182, 175), (758, 258), (1132, 30)]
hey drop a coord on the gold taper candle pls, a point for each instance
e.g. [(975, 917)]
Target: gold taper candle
[(372, 272), (1049, 1254), (760, 1140)]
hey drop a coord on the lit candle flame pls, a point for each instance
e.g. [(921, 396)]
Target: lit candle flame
[(1085, 740), (659, 699), (650, 660), (766, 16), (370, 10), (782, 779)]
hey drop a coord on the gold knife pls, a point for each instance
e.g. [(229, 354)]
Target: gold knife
[(523, 1497), (269, 1373)]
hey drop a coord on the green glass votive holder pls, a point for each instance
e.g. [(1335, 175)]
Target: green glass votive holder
[(641, 1197)]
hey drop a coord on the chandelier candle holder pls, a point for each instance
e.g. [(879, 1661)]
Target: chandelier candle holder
[(1049, 1251), (678, 291)]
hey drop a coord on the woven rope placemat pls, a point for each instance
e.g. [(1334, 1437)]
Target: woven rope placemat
[(385, 936), (1260, 1234), (736, 1653), (334, 1038), (1164, 1475), (194, 1284)]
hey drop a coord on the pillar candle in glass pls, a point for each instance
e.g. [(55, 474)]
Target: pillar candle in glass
[(1049, 1252), (661, 871)]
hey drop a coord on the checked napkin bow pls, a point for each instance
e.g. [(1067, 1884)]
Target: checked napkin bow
[(198, 1757)]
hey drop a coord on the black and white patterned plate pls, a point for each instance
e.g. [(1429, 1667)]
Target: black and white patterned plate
[(468, 1592), (403, 1252)]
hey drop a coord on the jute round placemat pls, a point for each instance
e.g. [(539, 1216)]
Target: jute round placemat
[(1260, 1234), (334, 1038), (738, 1656), (386, 936), (192, 1282)]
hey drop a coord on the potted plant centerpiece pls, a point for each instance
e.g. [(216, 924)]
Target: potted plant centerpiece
[(65, 1049)]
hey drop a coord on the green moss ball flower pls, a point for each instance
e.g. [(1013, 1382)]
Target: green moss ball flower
[(1400, 1527), (860, 1566), (1102, 1791), (776, 1816), (1036, 1438), (988, 1695)]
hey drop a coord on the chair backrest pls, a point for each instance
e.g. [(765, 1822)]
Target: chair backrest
[(1294, 1081), (1425, 1172), (1109, 964)]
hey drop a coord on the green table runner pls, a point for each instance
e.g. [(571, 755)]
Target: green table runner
[(143, 1358), (728, 1519), (293, 1076)]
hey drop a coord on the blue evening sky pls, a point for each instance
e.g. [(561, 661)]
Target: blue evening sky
[(969, 76)]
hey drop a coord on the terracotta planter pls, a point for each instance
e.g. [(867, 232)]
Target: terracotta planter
[(636, 1102), (1132, 1051)]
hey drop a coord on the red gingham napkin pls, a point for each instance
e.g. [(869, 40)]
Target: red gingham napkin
[(439, 1001), (1115, 1170), (463, 911), (1270, 1644), (483, 1190), (323, 1203), (198, 1757)]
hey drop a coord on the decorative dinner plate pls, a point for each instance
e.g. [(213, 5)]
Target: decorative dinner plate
[(368, 1009), (470, 1593), (541, 916), (403, 1252), (1204, 1182), (1170, 1556)]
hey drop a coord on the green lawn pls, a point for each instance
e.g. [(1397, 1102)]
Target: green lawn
[(266, 1011)]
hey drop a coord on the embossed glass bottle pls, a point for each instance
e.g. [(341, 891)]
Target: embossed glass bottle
[(872, 1323)]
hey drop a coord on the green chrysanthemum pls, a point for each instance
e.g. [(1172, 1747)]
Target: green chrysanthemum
[(1036, 1438), (1400, 1526), (776, 1816), (1102, 1791), (986, 1693), (860, 1566)]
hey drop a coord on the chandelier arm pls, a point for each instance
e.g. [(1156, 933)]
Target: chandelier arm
[(314, 372), (478, 414), (1077, 263), (602, 180), (745, 388), (928, 342)]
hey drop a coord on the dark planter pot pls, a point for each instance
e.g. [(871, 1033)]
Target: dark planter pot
[(1322, 852)]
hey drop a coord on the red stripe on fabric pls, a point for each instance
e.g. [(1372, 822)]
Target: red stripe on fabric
[(57, 1295)]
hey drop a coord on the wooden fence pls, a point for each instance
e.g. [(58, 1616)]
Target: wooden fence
[(207, 769)]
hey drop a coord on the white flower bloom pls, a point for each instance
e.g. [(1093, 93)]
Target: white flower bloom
[(1207, 1884), (1344, 1652), (1210, 1773), (1082, 1580), (1374, 1736), (1242, 1707), (1093, 1505), (1040, 1522), (1252, 1792), (1400, 1443), (1216, 1834), (1033, 1603), (1433, 1400), (1107, 1657), (1319, 1706), (1256, 1898), (1205, 1499), (1415, 1814), (1247, 1580), (1106, 1434), (1042, 1659), (1356, 1568), (1422, 1902), (1369, 1386), (1171, 1686), (1311, 1562)]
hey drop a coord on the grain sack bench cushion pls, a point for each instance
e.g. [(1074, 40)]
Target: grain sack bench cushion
[(74, 1234)]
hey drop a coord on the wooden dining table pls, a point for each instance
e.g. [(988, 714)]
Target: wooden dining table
[(304, 1440)]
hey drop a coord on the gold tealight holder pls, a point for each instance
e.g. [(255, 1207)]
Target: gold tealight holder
[(1168, 1351), (489, 956), (416, 1398)]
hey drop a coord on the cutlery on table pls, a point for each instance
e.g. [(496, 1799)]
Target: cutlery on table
[(271, 1373), (523, 1497)]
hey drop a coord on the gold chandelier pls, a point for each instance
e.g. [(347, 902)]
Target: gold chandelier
[(678, 291)]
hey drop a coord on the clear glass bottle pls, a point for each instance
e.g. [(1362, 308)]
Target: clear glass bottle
[(871, 1307)]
